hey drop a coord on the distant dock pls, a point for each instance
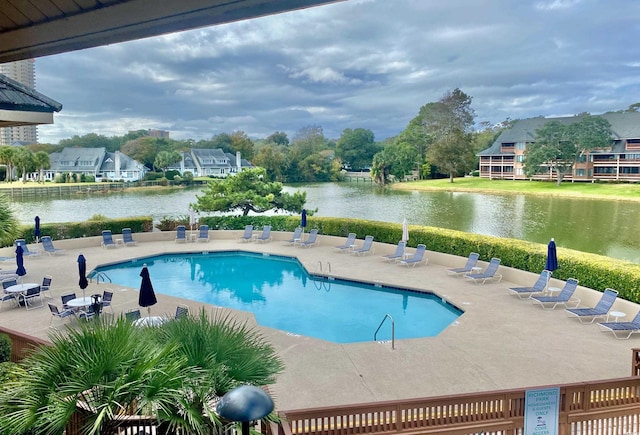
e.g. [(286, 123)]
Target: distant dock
[(365, 177)]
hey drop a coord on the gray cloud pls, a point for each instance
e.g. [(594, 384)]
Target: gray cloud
[(359, 63)]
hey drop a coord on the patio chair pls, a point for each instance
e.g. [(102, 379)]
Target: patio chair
[(107, 239), (8, 297), (181, 311), (107, 297), (127, 237), (367, 247), (30, 298), (203, 235), (589, 315), (248, 234), (181, 234), (538, 287), (8, 282), (349, 244), (417, 257), (472, 260), (296, 237), (66, 298), (25, 248), (398, 254), (45, 288), (132, 315), (564, 298), (491, 274), (312, 240), (57, 314), (47, 245), (618, 329), (265, 236)]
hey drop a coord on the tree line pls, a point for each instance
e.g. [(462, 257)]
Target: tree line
[(442, 140)]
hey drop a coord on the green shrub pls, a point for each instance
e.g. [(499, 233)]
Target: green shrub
[(5, 348), (10, 371)]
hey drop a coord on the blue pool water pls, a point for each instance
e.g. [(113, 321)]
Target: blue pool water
[(282, 295)]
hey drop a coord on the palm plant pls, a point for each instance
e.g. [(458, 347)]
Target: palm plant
[(113, 369), (8, 224)]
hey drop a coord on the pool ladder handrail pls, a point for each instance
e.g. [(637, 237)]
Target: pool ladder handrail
[(319, 268), (102, 275), (393, 330)]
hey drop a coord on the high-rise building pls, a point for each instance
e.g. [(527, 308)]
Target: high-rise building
[(22, 71)]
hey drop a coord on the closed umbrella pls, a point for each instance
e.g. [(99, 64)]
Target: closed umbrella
[(21, 271), (82, 271), (147, 296), (36, 232), (303, 221), (552, 258), (405, 230), (192, 217)]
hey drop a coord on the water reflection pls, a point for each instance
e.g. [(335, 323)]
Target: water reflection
[(598, 226)]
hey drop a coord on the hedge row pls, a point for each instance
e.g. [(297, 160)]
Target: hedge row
[(77, 230), (593, 271)]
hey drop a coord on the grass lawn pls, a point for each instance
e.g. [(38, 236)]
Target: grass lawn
[(622, 191)]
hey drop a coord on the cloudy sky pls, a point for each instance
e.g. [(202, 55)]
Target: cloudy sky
[(354, 64)]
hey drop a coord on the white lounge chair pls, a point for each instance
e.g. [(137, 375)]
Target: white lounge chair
[(472, 260), (47, 245), (538, 287), (417, 257), (491, 274), (564, 298), (367, 247), (398, 254), (589, 315)]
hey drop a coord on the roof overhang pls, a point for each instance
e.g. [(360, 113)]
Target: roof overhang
[(35, 28), (16, 118)]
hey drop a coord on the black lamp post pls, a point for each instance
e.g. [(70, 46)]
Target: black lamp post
[(245, 404)]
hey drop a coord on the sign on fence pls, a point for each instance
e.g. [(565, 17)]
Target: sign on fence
[(541, 411)]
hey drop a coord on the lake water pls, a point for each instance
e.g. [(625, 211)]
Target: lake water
[(603, 227)]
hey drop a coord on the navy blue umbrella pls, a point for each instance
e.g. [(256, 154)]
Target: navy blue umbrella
[(36, 232), (21, 271), (82, 271), (147, 296), (552, 258), (303, 218)]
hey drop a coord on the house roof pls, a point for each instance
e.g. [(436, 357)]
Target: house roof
[(22, 105), (623, 126), (71, 159)]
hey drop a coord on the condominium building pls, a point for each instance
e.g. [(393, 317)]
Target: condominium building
[(620, 161), (23, 72)]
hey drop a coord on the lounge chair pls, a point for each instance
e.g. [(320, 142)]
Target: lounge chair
[(312, 240), (367, 247), (181, 234), (296, 237), (417, 257), (538, 288), (127, 237), (349, 244), (47, 245), (57, 314), (490, 274), (8, 297), (265, 236), (181, 311), (472, 260), (618, 329), (203, 235), (589, 315), (107, 240), (564, 298), (25, 248), (248, 234), (398, 254)]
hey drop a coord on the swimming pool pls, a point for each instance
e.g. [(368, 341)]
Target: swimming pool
[(282, 295)]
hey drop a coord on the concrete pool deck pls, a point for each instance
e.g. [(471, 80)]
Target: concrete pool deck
[(500, 342)]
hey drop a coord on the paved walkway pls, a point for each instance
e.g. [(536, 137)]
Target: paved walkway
[(499, 342)]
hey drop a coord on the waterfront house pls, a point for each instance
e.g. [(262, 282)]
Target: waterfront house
[(95, 162), (204, 162), (504, 159)]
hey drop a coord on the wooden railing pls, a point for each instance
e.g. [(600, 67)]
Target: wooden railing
[(21, 344), (611, 405)]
